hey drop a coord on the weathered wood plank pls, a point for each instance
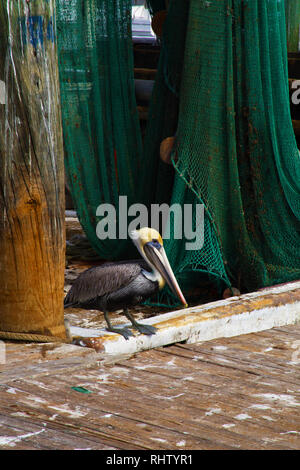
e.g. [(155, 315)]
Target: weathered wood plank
[(98, 422), (76, 358), (148, 421), (213, 395), (217, 373), (124, 389), (262, 310), (25, 432), (286, 331), (240, 359)]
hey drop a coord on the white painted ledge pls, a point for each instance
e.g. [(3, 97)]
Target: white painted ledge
[(248, 313)]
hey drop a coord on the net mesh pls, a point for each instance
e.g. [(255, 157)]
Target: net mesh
[(292, 8), (222, 91), (235, 137), (103, 146)]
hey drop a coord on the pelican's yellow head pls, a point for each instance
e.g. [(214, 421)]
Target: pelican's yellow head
[(150, 244), (146, 235)]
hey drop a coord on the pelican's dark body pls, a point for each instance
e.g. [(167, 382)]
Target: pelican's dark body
[(112, 286)]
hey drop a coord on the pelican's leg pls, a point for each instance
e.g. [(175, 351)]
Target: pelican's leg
[(125, 332), (144, 329)]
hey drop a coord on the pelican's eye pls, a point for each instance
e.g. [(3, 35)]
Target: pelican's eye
[(156, 244)]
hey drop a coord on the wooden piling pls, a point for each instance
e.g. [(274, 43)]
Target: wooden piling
[(32, 240)]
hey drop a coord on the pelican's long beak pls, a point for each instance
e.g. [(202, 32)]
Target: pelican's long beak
[(156, 255)]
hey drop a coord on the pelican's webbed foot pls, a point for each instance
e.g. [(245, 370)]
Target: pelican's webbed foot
[(125, 332), (143, 329)]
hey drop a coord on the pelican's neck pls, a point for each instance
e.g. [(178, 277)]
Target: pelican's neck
[(154, 276)]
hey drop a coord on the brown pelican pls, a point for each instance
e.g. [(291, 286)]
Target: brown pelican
[(120, 285)]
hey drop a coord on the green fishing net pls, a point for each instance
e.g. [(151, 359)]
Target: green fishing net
[(292, 8), (222, 90), (103, 146), (235, 138)]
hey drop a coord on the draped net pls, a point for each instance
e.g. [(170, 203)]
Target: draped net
[(222, 90)]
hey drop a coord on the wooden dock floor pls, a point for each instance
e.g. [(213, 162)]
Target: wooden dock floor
[(232, 393)]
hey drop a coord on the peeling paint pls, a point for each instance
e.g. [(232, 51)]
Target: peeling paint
[(157, 439), (65, 409), (267, 418), (242, 416), (13, 440), (172, 362), (181, 443), (20, 413), (291, 432), (198, 358), (284, 399), (228, 425), (53, 417), (37, 400), (259, 406), (213, 411), (170, 398)]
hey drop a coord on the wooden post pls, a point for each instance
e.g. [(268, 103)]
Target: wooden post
[(32, 240)]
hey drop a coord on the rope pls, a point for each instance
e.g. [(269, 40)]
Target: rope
[(32, 337)]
